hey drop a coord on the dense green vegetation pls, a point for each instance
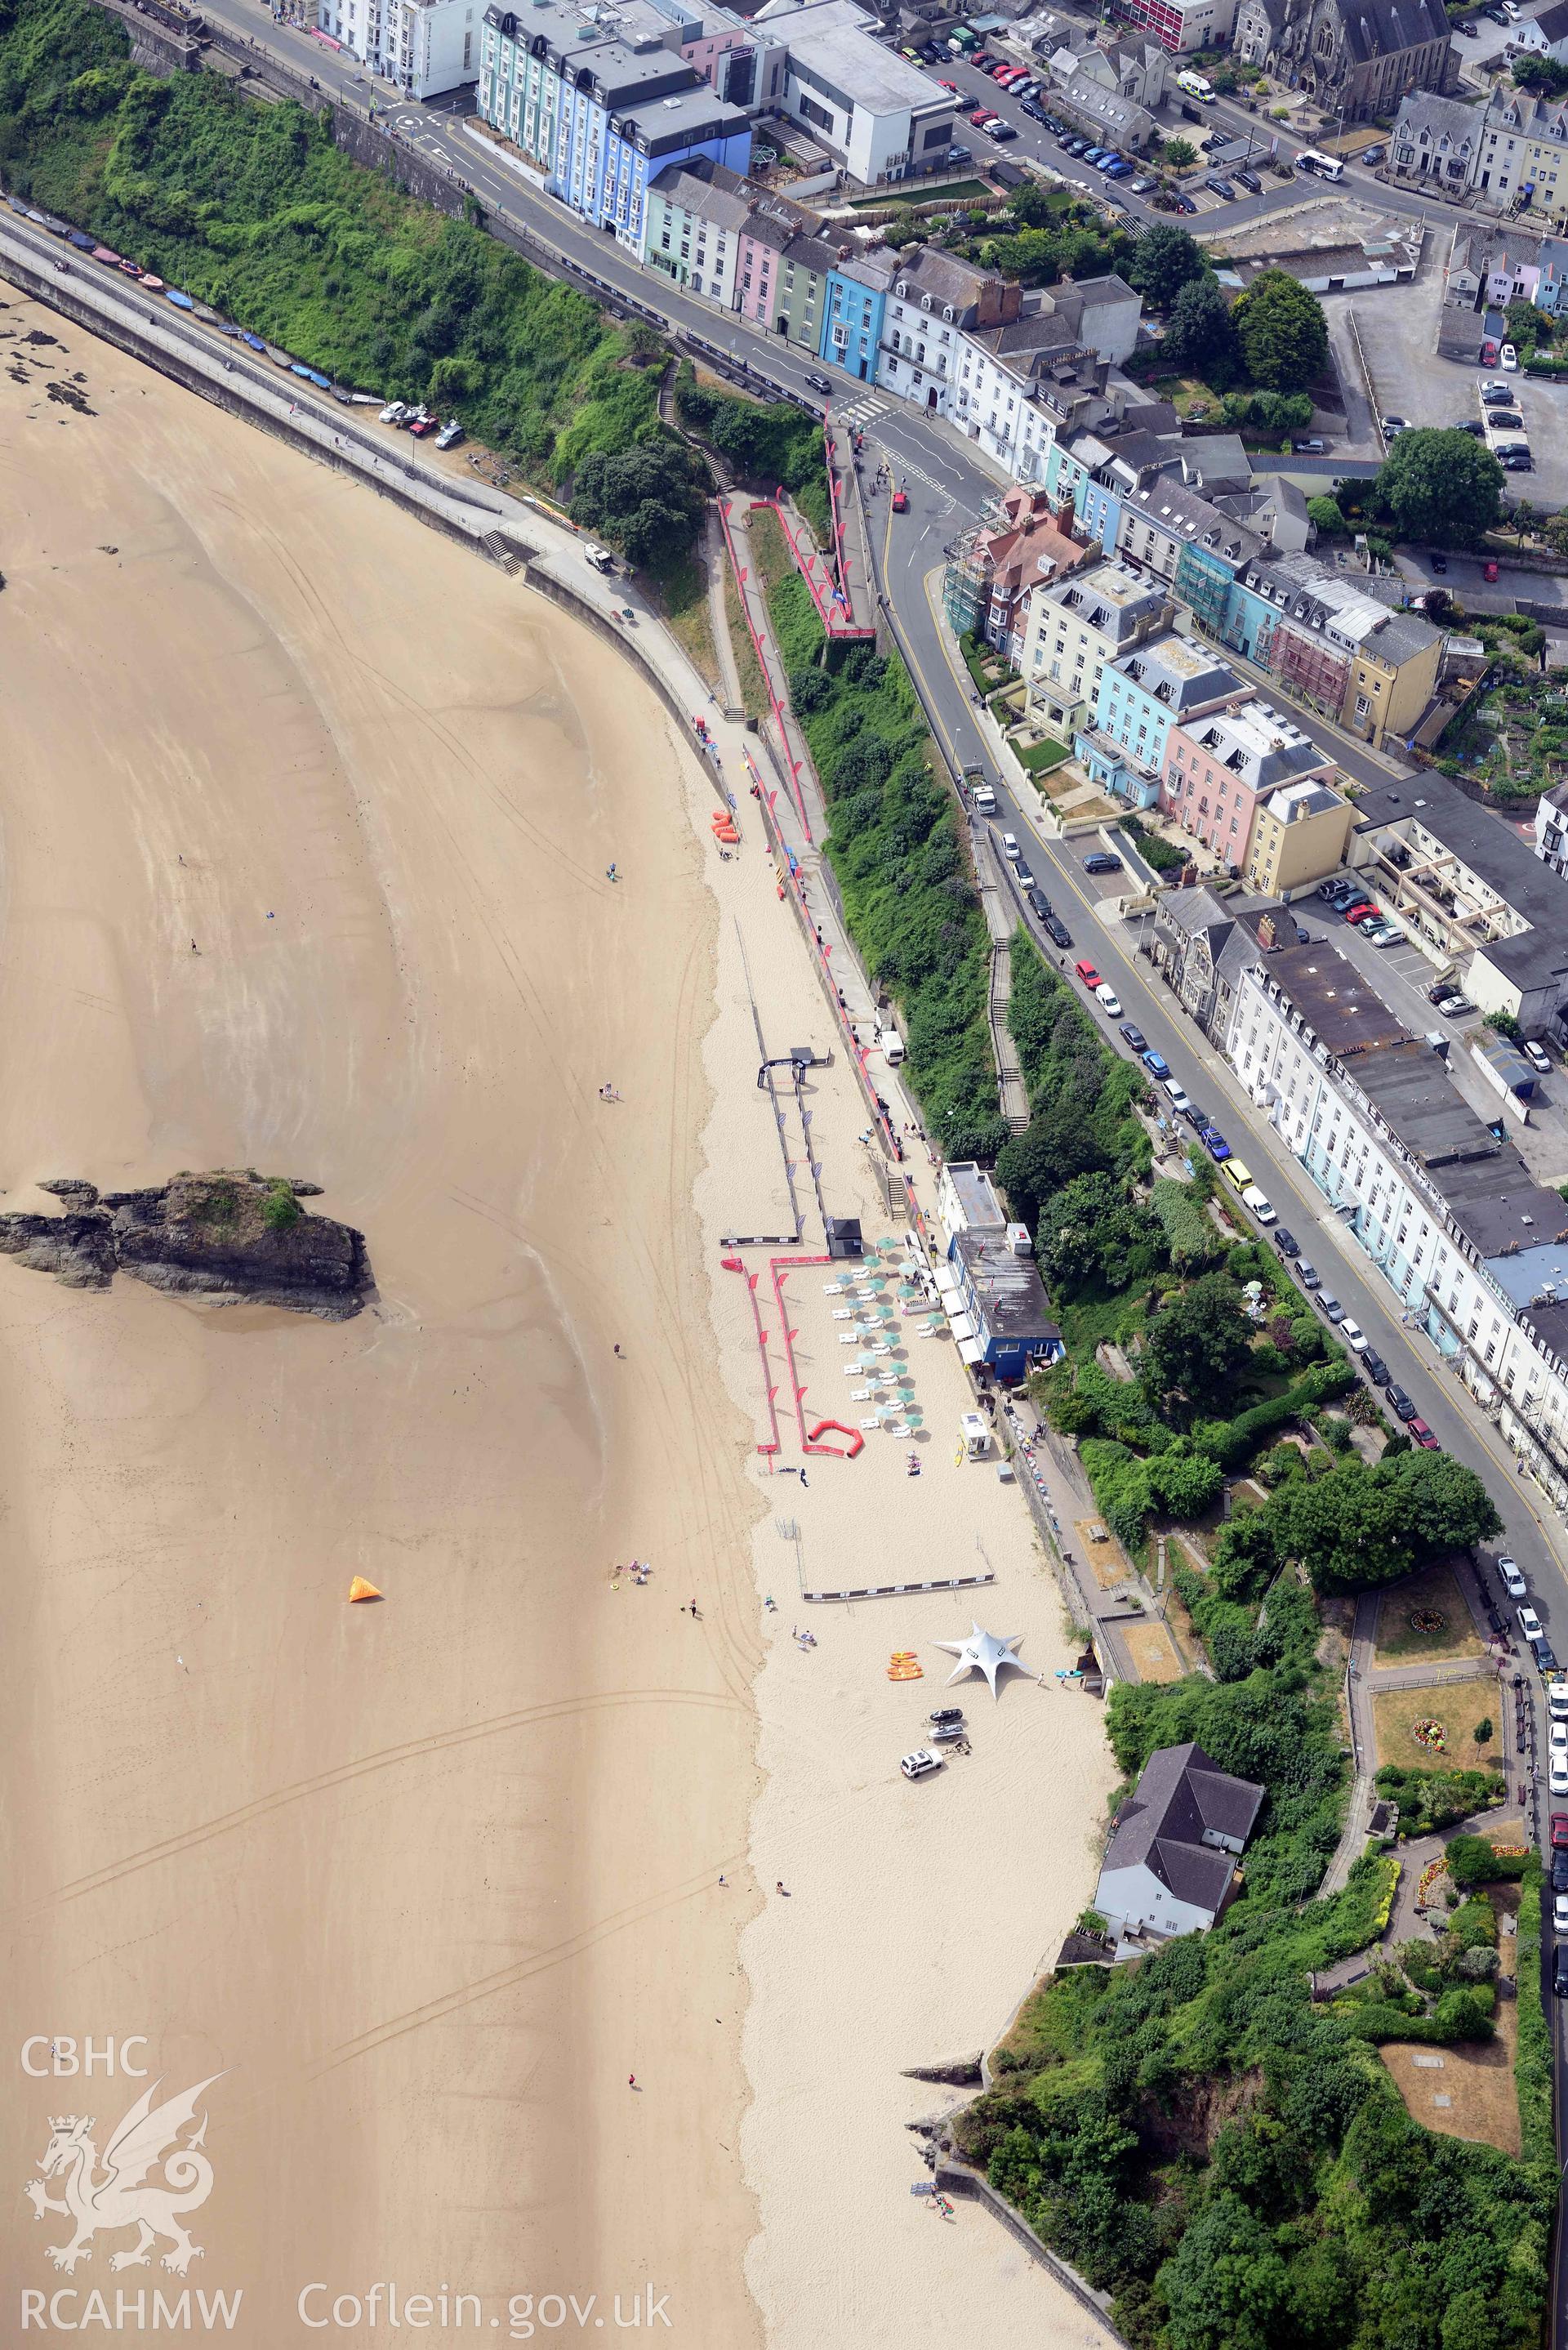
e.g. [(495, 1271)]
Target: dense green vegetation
[(901, 865), (773, 444), (1229, 2158), (1436, 1799), (253, 209)]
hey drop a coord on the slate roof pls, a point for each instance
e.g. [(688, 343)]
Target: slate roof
[(1182, 1791), (1373, 28)]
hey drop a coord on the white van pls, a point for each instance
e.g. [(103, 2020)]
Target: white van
[(984, 800), (892, 1047), (599, 556), (1260, 1205), (1197, 86)]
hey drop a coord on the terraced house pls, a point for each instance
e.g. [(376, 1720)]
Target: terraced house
[(1510, 155), (593, 116)]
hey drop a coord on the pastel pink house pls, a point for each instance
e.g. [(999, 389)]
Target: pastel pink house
[(1217, 770)]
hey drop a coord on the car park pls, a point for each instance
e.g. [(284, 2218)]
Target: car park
[(1376, 1369), (1308, 1275), (924, 1760), (1422, 1435), (1135, 1036), (1286, 1242), (1330, 1307), (1537, 1055), (1107, 996), (1512, 1582), (1155, 1063), (1215, 1144), (1102, 861), (1530, 1623), (1354, 1334)]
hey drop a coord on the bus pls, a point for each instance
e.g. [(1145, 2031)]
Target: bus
[(1326, 167)]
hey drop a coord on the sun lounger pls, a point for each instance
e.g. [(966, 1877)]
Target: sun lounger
[(870, 1424), (842, 1313), (849, 1337), (834, 1288)]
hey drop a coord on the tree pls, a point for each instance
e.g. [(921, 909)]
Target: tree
[(1506, 1026), (642, 497), (1527, 325), (1163, 261), (1544, 75), (1443, 1505), (1345, 1528), (1092, 1229), (1197, 1344), (1227, 2287), (1324, 512), (1482, 1732), (1283, 330), (1443, 488), (1201, 333), (1056, 1145), (1179, 153)]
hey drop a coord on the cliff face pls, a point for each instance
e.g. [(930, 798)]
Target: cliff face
[(228, 1235)]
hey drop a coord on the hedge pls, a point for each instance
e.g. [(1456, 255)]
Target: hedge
[(1533, 2067)]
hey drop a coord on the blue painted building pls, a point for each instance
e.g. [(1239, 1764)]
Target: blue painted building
[(853, 309), (1004, 1298), (592, 117), (1141, 696)]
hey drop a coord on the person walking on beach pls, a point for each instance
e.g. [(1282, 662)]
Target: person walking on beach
[(780, 1886), (695, 1617), (631, 2080)]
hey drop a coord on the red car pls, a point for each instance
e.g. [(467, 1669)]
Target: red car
[(981, 114), (900, 502), (1420, 1433), (1361, 911), (1560, 1831), (1489, 568), (949, 84), (1087, 974), (1488, 354)]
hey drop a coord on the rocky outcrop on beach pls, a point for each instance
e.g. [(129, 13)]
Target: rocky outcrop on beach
[(227, 1236)]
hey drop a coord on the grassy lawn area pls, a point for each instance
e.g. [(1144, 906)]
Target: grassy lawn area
[(769, 547), (754, 685), (1433, 1591), (683, 599), (1038, 758), (1457, 1705), (1474, 2079)]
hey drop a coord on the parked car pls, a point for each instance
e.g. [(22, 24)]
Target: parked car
[(1141, 187), (1456, 1008), (1469, 424), (1559, 1913), (1286, 1242), (1215, 1144), (1557, 1781), (1360, 909), (1183, 203), (1394, 425), (1056, 931), (1009, 847), (1512, 1582), (1376, 1369), (1331, 1309), (1516, 459), (1251, 182), (1557, 1699), (1560, 1969), (1223, 189), (1371, 156), (1107, 996), (1530, 1623), (1558, 1825), (1439, 563), (924, 1760), (1023, 875), (1545, 1656), (999, 130), (1557, 1736), (1307, 1274), (1507, 357), (1196, 1117), (1537, 1055), (1399, 1402), (1039, 905), (1155, 1063), (1422, 1435), (1179, 1101), (1135, 1036), (1497, 395), (1088, 974), (1263, 1207), (1311, 447), (1355, 1336), (1036, 112), (451, 434), (1102, 861)]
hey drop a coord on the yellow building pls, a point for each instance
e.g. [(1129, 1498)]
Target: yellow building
[(1298, 837), (1393, 676)]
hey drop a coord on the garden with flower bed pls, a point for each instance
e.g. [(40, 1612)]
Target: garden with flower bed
[(1434, 1726), (1425, 1617)]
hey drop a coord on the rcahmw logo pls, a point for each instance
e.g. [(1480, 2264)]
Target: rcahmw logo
[(154, 2172)]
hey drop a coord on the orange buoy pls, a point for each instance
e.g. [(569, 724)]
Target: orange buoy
[(360, 1589)]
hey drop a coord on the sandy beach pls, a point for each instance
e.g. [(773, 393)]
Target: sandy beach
[(305, 818)]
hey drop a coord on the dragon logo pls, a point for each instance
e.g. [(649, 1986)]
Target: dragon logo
[(148, 2135)]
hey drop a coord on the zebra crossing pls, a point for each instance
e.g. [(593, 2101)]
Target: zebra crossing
[(861, 412)]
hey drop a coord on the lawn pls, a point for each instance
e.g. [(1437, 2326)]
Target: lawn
[(1037, 758), (1459, 1706), (1475, 2077), (754, 685), (956, 191), (769, 547), (1433, 1591), (683, 600)]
